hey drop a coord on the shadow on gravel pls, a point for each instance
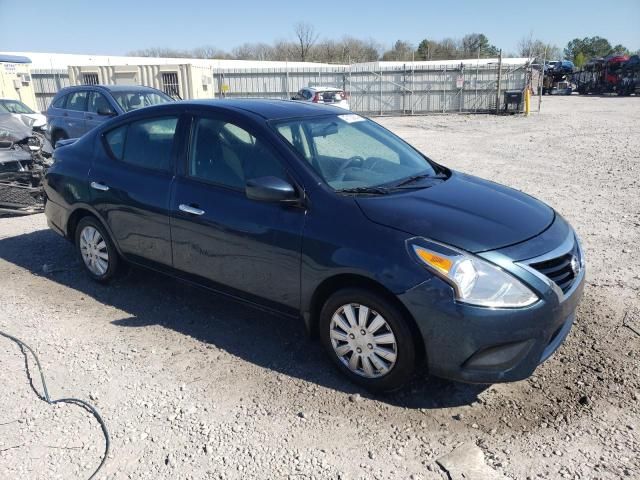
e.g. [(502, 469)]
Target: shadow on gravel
[(270, 341)]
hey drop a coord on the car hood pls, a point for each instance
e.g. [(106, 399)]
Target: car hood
[(464, 211)]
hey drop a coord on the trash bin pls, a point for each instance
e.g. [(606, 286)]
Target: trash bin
[(513, 100)]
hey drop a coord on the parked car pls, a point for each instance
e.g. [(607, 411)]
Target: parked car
[(76, 110), (324, 95), (35, 120), (392, 258)]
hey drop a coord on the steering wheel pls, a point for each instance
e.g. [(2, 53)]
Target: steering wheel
[(355, 159)]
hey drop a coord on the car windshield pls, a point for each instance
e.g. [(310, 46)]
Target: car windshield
[(352, 153), (14, 106), (134, 99)]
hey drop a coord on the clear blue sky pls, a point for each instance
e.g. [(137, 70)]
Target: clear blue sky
[(117, 27)]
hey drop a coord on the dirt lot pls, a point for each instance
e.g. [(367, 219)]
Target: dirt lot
[(194, 386)]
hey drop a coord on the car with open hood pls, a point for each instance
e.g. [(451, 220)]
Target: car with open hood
[(392, 259)]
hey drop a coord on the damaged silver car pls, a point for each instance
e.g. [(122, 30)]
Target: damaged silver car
[(24, 157)]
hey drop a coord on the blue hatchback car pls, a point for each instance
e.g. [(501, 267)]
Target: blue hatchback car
[(392, 259), (76, 110)]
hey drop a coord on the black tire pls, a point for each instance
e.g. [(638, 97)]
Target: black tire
[(405, 362), (113, 262), (58, 135)]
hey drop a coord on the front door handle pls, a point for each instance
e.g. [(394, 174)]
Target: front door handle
[(189, 209), (99, 186)]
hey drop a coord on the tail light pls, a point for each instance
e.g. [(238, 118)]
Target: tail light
[(316, 98), (345, 95)]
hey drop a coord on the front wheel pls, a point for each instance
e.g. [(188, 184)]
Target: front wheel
[(368, 338), (96, 250)]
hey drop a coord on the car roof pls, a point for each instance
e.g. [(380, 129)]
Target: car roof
[(267, 108), (324, 89), (112, 88)]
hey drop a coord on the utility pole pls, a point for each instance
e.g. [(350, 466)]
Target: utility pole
[(541, 82), (499, 82)]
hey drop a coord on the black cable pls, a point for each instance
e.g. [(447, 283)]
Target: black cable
[(73, 401)]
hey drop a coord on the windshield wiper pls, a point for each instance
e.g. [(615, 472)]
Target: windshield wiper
[(415, 178), (369, 190)]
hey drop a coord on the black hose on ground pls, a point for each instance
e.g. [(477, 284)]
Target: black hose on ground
[(73, 401)]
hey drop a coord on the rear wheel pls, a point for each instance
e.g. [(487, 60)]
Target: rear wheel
[(368, 338), (95, 249)]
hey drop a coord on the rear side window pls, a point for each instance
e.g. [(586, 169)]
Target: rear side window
[(115, 140), (145, 143), (77, 101), (59, 102)]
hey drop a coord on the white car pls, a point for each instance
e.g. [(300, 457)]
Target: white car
[(32, 119), (326, 95)]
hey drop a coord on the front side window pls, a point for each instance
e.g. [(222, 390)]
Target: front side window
[(349, 151), (145, 143), (138, 99), (228, 155), (77, 101)]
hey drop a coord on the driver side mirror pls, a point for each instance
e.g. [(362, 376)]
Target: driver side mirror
[(271, 189), (106, 111)]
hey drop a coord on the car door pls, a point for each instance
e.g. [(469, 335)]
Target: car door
[(98, 108), (73, 114), (221, 235), (130, 182)]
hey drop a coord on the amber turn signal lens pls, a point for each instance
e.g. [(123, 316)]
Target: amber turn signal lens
[(436, 261)]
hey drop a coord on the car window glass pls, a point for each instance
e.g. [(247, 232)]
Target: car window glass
[(115, 140), (77, 101), (354, 143), (13, 106), (292, 132), (59, 102), (148, 143), (97, 102), (145, 143), (226, 154)]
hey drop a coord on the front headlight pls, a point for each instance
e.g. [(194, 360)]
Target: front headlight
[(474, 280)]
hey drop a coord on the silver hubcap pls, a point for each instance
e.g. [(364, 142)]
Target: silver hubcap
[(93, 249), (363, 340)]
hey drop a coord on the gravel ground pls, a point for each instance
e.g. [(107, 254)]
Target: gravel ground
[(188, 392)]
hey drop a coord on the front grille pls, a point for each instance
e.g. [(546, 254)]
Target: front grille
[(562, 270)]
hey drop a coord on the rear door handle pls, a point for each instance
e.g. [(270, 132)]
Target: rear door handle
[(99, 186), (189, 209)]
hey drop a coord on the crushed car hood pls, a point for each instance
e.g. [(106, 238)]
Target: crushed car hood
[(463, 211), (12, 128)]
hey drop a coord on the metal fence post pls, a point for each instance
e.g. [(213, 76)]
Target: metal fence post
[(380, 91), (499, 81)]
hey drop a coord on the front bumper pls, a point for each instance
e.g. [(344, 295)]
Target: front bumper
[(490, 345)]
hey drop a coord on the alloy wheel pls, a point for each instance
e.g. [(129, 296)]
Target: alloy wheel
[(363, 340), (93, 249)]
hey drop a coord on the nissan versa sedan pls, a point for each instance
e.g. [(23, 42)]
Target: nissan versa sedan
[(394, 261)]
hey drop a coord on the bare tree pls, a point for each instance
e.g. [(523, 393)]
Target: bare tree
[(537, 49), (306, 37)]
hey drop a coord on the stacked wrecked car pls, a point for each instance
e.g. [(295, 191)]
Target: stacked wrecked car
[(25, 155)]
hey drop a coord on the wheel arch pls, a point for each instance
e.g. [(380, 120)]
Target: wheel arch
[(86, 211), (349, 280)]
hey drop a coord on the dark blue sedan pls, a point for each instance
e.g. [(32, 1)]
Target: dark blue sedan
[(393, 260)]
